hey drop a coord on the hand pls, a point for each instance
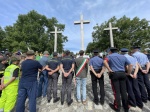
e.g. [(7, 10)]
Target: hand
[(134, 76), (99, 75), (66, 74), (50, 73), (110, 71), (144, 71)]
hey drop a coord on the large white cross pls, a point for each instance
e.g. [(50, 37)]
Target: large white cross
[(55, 42), (82, 31), (111, 34)]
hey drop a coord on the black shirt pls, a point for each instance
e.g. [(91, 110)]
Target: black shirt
[(53, 63), (67, 62), (29, 69)]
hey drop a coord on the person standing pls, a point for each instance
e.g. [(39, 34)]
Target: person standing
[(53, 73), (28, 83), (116, 63), (9, 86), (67, 67), (43, 82), (81, 69), (143, 79), (97, 70), (134, 95)]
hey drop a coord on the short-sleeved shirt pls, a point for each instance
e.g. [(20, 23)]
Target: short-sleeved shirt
[(141, 58), (29, 69), (117, 62), (132, 60), (16, 72), (96, 62), (43, 61), (67, 62), (53, 63)]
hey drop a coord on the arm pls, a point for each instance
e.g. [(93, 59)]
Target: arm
[(107, 66), (147, 67), (92, 69), (72, 68), (9, 82), (129, 69), (62, 69), (136, 71), (53, 71), (47, 68)]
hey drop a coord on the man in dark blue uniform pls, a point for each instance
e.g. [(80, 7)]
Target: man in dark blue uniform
[(67, 66), (28, 83), (116, 63), (134, 95), (143, 79), (53, 74), (97, 70)]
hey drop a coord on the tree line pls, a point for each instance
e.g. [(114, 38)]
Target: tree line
[(32, 30), (131, 32)]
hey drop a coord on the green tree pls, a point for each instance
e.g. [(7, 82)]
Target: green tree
[(2, 36), (131, 32), (33, 30)]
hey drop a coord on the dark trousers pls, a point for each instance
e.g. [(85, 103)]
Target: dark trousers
[(52, 85), (134, 95), (100, 80), (143, 81), (118, 82), (66, 85), (28, 89)]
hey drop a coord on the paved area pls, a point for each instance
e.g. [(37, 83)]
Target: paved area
[(43, 106)]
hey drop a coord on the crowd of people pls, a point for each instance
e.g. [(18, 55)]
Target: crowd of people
[(25, 77)]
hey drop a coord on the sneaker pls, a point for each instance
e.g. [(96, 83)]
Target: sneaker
[(138, 109), (79, 101), (56, 99), (84, 102)]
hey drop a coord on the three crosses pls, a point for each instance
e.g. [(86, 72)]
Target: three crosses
[(81, 22)]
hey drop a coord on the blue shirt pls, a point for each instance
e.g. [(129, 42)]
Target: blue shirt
[(67, 62), (132, 60), (141, 58), (53, 63), (96, 62), (29, 70), (117, 62), (43, 61)]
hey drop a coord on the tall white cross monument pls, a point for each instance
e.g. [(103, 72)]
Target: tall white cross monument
[(55, 41), (82, 31), (111, 34)]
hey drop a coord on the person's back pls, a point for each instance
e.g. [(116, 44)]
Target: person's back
[(117, 62), (29, 70), (78, 62)]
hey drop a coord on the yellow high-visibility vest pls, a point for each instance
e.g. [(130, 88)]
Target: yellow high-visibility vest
[(8, 74)]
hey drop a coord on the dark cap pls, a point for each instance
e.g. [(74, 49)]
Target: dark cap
[(46, 52), (67, 51), (136, 47), (112, 49), (30, 52), (55, 54), (15, 58), (95, 51), (81, 52), (124, 50)]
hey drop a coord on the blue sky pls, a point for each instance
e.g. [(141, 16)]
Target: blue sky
[(67, 11)]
